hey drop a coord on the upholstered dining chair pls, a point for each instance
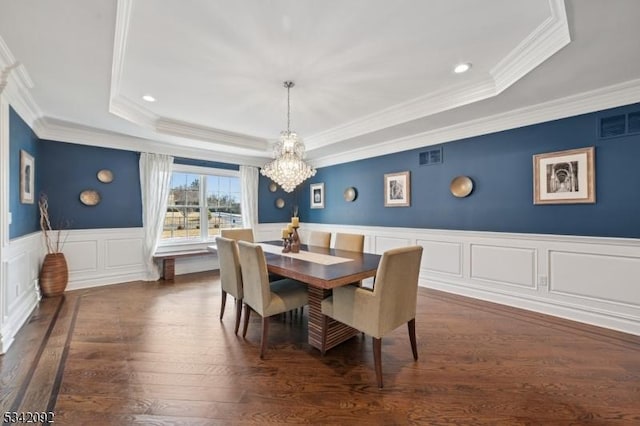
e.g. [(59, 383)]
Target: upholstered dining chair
[(264, 298), (230, 276), (238, 234), (391, 303), (349, 242), (319, 239)]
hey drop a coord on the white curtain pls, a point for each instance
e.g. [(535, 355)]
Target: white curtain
[(249, 183), (155, 178)]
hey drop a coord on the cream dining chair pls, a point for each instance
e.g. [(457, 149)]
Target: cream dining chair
[(391, 303), (230, 276), (266, 299), (319, 239), (238, 234), (349, 242)]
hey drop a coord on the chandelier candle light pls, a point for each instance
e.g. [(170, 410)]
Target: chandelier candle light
[(288, 168)]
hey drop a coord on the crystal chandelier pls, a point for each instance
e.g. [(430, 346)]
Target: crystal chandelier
[(288, 168)]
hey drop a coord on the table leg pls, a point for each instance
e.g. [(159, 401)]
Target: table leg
[(337, 332)]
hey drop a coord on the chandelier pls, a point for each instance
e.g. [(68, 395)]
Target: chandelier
[(288, 168)]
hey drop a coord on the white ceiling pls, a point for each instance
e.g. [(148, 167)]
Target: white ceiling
[(372, 76)]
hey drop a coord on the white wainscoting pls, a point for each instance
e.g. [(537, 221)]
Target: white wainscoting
[(588, 279), (21, 260), (98, 257)]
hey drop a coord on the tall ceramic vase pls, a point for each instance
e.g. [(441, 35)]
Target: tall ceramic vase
[(54, 275)]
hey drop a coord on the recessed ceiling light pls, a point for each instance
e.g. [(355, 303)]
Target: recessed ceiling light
[(149, 98), (460, 68)]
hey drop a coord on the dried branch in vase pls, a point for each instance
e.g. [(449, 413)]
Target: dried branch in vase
[(53, 238)]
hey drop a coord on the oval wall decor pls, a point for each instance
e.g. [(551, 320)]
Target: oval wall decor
[(350, 194), (279, 203), (461, 186), (273, 187), (105, 176), (90, 197)]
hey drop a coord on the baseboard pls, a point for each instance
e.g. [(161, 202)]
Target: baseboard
[(574, 313)]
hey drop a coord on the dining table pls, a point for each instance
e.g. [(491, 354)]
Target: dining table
[(321, 269)]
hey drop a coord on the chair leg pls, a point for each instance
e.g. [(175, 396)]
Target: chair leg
[(247, 313), (377, 355), (411, 325), (325, 326), (265, 334), (224, 303), (238, 314)]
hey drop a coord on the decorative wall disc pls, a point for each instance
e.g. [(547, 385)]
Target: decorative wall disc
[(90, 197), (279, 203), (105, 176), (273, 187), (350, 194), (461, 186)]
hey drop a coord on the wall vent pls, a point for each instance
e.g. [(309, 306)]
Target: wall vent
[(431, 157), (619, 125)]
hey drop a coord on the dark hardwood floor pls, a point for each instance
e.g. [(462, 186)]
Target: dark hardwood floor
[(157, 354)]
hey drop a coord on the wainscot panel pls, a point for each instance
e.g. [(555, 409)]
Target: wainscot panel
[(594, 280), (595, 276), (441, 257), (503, 265), (104, 256), (21, 259)]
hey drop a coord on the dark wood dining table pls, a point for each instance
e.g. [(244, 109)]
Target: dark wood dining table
[(321, 279)]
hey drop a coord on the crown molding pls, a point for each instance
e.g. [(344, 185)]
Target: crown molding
[(63, 131), (600, 99), (194, 131), (123, 19), (132, 112), (15, 85), (541, 44), (547, 39)]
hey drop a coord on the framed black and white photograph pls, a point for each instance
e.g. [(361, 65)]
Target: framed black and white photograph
[(564, 177), (397, 189), (317, 195), (27, 177)]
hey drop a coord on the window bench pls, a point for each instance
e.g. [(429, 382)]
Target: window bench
[(169, 260)]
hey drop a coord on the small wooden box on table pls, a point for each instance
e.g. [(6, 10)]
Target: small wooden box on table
[(169, 260)]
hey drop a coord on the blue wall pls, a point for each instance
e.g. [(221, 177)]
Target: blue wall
[(500, 165), (68, 169), (267, 210), (25, 217)]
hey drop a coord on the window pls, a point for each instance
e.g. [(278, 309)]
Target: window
[(201, 201)]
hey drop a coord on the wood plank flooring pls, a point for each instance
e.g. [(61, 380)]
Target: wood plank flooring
[(157, 354)]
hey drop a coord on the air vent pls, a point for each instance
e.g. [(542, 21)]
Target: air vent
[(634, 122), (431, 157), (612, 126), (619, 125)]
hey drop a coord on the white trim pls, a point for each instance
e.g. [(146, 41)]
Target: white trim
[(583, 298), (600, 99), (187, 168), (550, 36), (202, 133)]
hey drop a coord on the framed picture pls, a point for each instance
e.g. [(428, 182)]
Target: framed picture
[(564, 177), (27, 177), (397, 189), (317, 195)]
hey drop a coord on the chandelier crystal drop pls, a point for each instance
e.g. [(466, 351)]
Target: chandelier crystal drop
[(288, 168)]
